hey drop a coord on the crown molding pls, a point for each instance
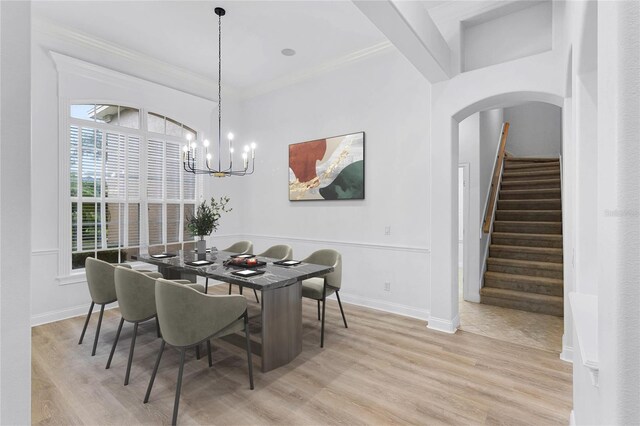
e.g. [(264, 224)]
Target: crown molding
[(312, 72), (149, 67), (160, 72)]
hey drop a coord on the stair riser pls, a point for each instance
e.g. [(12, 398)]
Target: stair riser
[(519, 255), (550, 290), (540, 308), (531, 166), (533, 216), (529, 195), (512, 160), (530, 176), (529, 205), (528, 228), (511, 241), (531, 184), (522, 270)]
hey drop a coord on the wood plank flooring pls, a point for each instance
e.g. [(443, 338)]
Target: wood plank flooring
[(383, 369)]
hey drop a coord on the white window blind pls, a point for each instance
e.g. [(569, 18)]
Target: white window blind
[(125, 184)]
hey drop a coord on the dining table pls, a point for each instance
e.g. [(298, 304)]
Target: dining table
[(279, 339)]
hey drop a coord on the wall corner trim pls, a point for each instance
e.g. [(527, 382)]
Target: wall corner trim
[(567, 354), (444, 325)]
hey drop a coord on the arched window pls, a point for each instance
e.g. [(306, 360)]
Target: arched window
[(127, 185)]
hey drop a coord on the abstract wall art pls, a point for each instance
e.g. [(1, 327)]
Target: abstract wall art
[(327, 169)]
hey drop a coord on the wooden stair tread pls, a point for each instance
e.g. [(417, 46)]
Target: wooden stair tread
[(526, 249), (525, 263), (527, 278), (532, 166), (532, 190), (532, 159), (527, 222), (528, 236), (524, 173), (530, 211), (530, 182), (534, 202), (520, 295)]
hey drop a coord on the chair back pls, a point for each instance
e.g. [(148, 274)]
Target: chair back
[(328, 257), (240, 247), (280, 252), (136, 294), (100, 280), (187, 316)]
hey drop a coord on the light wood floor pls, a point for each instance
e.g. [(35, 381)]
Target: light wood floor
[(383, 369)]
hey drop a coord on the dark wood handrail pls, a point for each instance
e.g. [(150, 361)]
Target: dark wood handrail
[(495, 180)]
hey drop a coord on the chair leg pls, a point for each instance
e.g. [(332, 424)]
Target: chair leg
[(256, 294), (318, 310), (341, 311), (178, 387), (95, 341), (241, 288), (133, 345), (86, 322), (246, 332), (206, 285), (115, 343), (153, 375), (209, 352), (158, 327), (324, 303), (229, 288), (197, 351)]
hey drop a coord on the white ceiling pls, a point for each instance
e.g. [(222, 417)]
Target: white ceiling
[(184, 33)]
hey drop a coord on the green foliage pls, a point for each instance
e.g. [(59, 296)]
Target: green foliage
[(207, 217)]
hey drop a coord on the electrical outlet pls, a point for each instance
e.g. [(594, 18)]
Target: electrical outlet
[(387, 286), (387, 230)]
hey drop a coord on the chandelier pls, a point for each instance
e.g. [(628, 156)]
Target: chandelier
[(192, 152)]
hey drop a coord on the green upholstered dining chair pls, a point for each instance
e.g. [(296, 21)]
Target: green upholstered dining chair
[(188, 318), (102, 290), (321, 287), (137, 302), (279, 252), (241, 247)]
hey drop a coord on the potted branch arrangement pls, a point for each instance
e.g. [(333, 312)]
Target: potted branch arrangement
[(206, 220)]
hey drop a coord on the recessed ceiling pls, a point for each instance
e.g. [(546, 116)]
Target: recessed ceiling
[(185, 33)]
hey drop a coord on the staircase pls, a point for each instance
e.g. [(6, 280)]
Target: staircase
[(524, 268)]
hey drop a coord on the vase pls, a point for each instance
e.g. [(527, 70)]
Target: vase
[(201, 248)]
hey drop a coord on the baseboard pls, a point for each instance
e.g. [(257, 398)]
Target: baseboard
[(381, 305), (572, 418), (444, 325), (567, 354), (62, 314)]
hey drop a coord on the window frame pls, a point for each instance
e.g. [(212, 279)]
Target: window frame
[(68, 275)]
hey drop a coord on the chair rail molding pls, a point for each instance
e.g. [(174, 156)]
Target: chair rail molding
[(373, 246)]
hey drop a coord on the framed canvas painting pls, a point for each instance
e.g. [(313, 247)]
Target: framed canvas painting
[(327, 169)]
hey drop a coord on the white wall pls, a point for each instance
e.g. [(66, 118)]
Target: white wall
[(516, 35), (535, 130), (55, 296), (614, 205), (469, 152), (385, 97), (15, 212), (479, 137), (490, 134)]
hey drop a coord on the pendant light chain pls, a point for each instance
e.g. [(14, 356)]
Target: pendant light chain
[(190, 150), (219, 89)]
